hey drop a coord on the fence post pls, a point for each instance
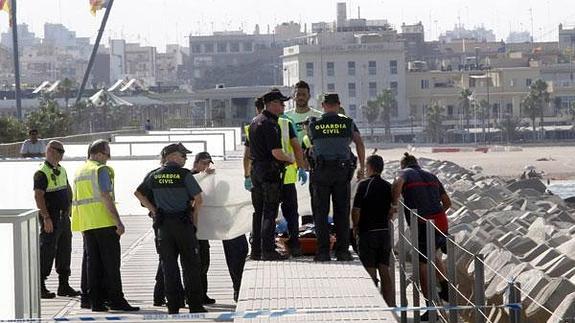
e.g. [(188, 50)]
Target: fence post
[(430, 237), (479, 290), (514, 298), (391, 230), (415, 263), (451, 278), (402, 279)]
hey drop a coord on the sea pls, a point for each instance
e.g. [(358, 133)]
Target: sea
[(564, 189)]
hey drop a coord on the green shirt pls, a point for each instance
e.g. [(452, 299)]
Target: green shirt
[(299, 118)]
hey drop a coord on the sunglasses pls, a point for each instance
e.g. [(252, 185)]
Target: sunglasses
[(59, 150)]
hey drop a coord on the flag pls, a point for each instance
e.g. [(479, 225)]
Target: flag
[(96, 5), (5, 6)]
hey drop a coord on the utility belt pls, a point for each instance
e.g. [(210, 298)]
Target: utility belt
[(320, 162), (59, 214), (161, 216), (269, 171)]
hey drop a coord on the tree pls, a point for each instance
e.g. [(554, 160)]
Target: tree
[(557, 104), (509, 127), (482, 112), (571, 110), (387, 101), (465, 106), (11, 130), (434, 127), (534, 103), (371, 113), (48, 119), (65, 89)]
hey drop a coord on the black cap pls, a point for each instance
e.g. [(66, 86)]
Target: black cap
[(172, 148), (331, 98), (273, 95), (204, 155)]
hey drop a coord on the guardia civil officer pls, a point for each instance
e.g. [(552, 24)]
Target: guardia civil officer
[(268, 166), (177, 201), (53, 195), (334, 164)]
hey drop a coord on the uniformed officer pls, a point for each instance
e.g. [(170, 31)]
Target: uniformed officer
[(247, 158), (268, 165), (177, 201), (95, 215), (331, 135), (53, 195)]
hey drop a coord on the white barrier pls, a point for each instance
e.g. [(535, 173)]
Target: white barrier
[(238, 131), (230, 134), (139, 149), (216, 142), (20, 265)]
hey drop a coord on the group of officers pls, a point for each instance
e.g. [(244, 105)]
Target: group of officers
[(281, 148)]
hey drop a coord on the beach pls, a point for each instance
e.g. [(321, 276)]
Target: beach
[(557, 162)]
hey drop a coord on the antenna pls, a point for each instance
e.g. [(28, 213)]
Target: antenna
[(532, 35)]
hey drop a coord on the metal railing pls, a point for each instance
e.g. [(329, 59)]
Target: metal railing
[(436, 310)]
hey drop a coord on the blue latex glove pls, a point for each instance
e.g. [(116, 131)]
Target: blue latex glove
[(302, 175), (248, 183)]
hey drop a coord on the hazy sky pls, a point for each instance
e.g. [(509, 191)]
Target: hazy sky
[(158, 22)]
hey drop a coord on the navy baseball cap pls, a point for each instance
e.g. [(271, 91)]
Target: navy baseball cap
[(331, 98), (273, 95), (172, 148)]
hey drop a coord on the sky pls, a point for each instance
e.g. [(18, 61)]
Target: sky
[(161, 22)]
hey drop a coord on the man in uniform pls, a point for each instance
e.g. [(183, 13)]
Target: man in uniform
[(247, 158), (94, 214), (53, 195), (422, 191), (268, 165), (331, 135), (177, 201)]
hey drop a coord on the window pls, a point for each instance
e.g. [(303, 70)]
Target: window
[(248, 47), (472, 82), (222, 47), (509, 108), (351, 68), (450, 110), (208, 48), (352, 111), (372, 89), (331, 87), (393, 87), (528, 82), (425, 84), (351, 90), (393, 67), (309, 69), (372, 68), (330, 69), (234, 47), (196, 48)]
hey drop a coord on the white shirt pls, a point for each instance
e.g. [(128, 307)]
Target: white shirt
[(33, 148)]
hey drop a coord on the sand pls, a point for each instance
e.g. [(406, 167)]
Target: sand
[(559, 166)]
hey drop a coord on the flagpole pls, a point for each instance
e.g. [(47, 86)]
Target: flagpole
[(94, 50), (16, 59)]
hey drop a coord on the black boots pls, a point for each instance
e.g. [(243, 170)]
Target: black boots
[(64, 288)]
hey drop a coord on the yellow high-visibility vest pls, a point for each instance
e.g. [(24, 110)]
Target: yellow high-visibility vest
[(55, 182), (88, 209), (290, 176)]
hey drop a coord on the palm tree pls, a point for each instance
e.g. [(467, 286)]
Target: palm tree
[(465, 105), (508, 127), (434, 126), (530, 109), (371, 113), (386, 100), (482, 111), (65, 88), (542, 98)]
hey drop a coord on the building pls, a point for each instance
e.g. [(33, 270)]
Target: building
[(355, 65), (169, 66), (238, 59), (25, 37), (414, 38), (566, 38), (519, 37), (141, 63), (460, 32)]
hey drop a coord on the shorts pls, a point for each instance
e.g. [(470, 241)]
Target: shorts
[(440, 222), (374, 248)]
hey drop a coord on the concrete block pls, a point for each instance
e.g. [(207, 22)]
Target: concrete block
[(551, 296)]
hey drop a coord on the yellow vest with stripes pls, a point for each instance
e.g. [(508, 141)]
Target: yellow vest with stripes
[(290, 176), (55, 182), (88, 209)]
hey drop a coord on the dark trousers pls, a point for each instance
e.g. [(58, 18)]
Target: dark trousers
[(159, 286), (334, 182), (204, 248), (289, 210), (56, 245), (103, 257), (236, 251), (178, 238), (84, 285), (266, 200)]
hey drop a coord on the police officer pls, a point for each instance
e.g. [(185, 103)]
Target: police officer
[(177, 201), (268, 164), (95, 215), (331, 135), (53, 194)]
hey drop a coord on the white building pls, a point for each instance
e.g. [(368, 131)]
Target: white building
[(356, 66)]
